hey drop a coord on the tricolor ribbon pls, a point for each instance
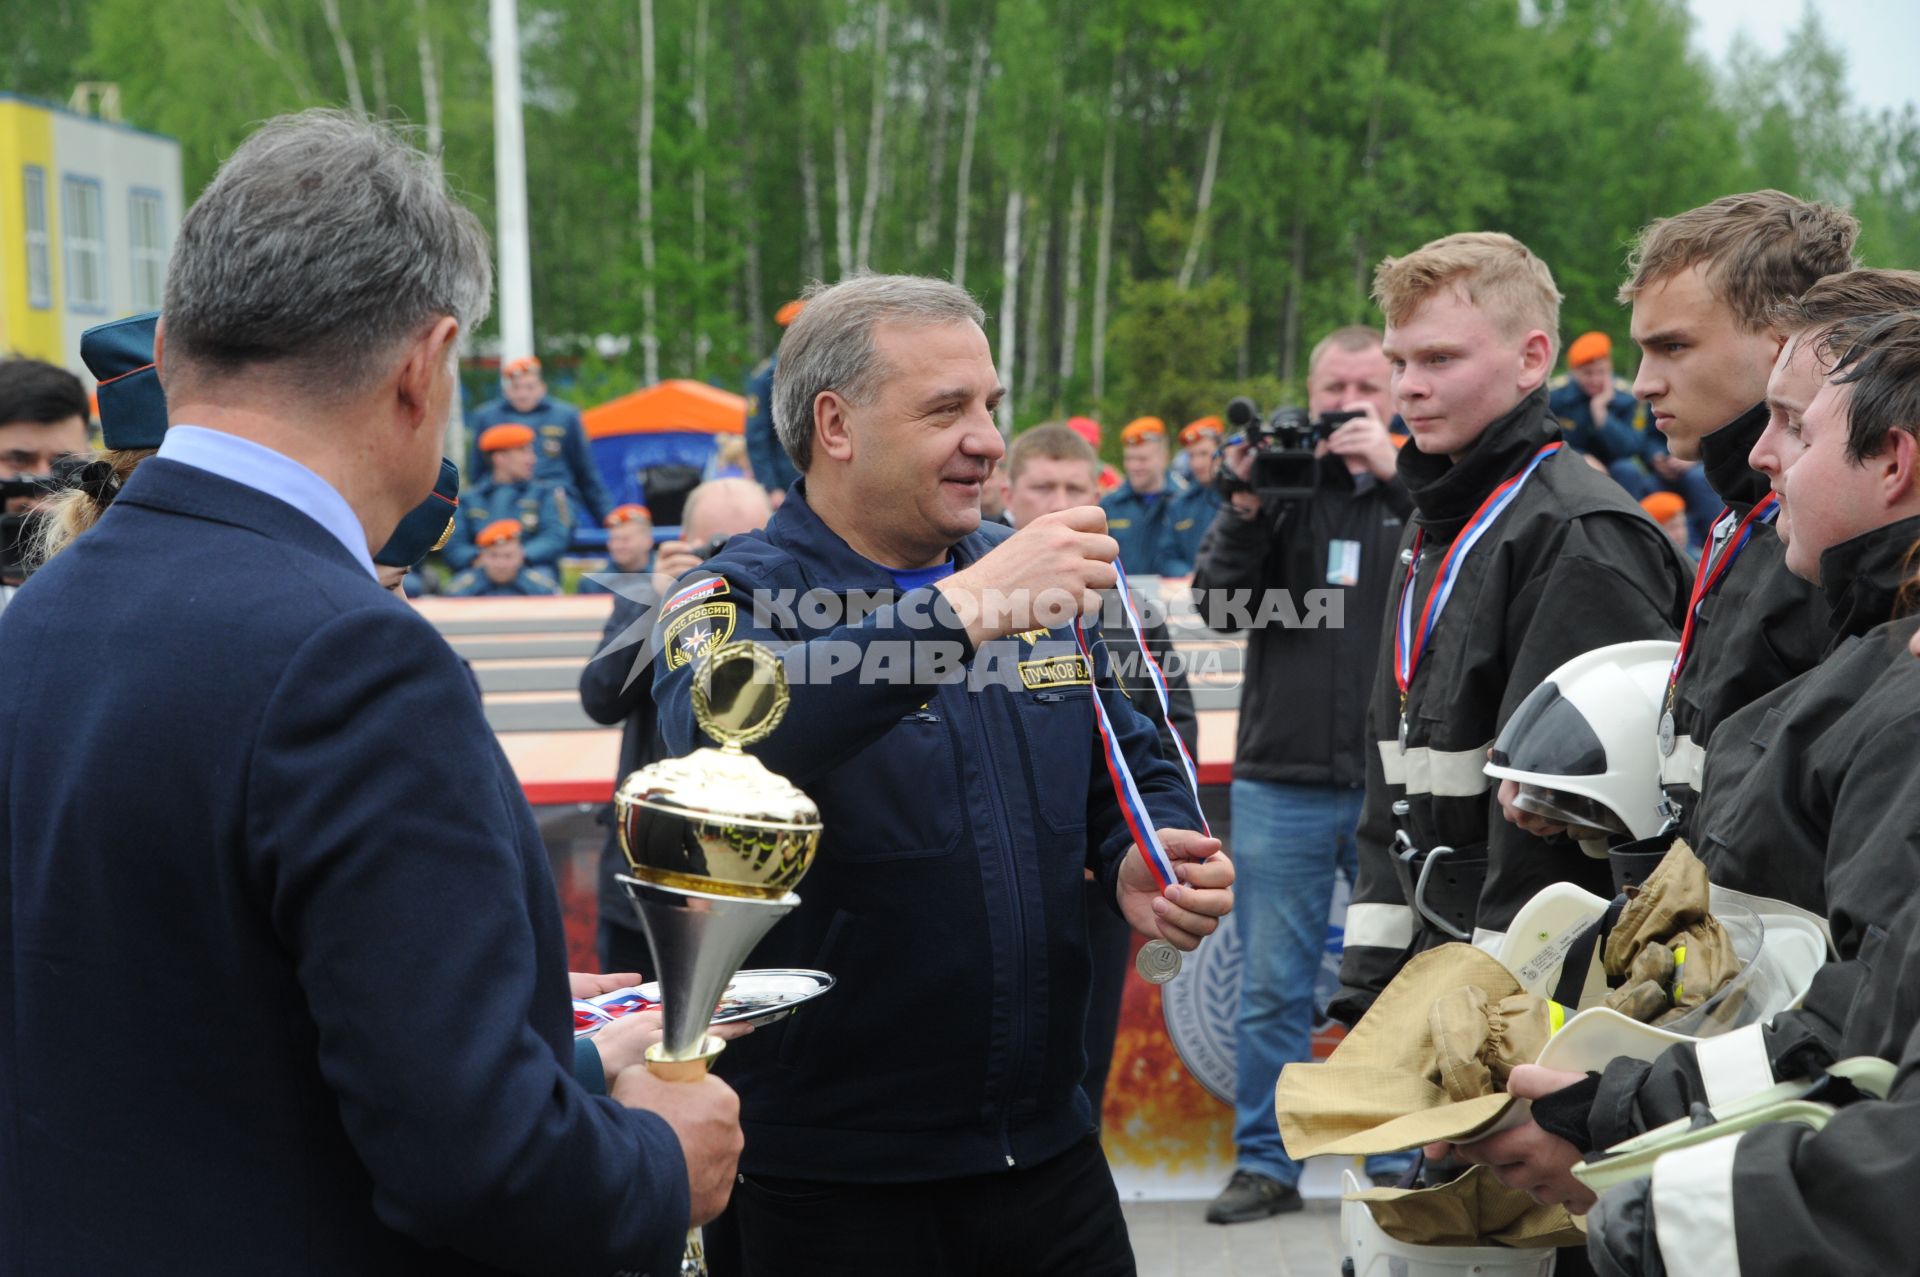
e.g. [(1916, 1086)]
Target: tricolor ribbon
[(1132, 807), (1408, 644), (1713, 567)]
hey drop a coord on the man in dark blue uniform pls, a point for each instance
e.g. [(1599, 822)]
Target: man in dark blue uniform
[(502, 567), (512, 490), (771, 465), (339, 951), (561, 440), (1157, 517), (629, 546), (948, 731)]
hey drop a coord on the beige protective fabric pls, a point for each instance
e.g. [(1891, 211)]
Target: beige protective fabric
[(1668, 953), (1381, 1091), (1477, 1040), (1474, 1210)]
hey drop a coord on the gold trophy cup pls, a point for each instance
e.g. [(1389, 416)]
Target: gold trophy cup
[(716, 843)]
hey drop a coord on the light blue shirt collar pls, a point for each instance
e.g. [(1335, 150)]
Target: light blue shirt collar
[(273, 473)]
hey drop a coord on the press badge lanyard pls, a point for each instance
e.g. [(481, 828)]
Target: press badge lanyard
[(1712, 568), (1410, 644)]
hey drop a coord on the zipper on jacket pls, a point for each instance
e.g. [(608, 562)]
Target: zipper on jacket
[(1011, 869)]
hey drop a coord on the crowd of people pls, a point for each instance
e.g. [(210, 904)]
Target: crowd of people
[(274, 845)]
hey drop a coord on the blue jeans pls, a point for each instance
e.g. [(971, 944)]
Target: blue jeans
[(1288, 841)]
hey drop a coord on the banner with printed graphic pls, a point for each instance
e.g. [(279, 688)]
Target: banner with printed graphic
[(1167, 1123)]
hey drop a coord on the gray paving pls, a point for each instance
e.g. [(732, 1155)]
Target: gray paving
[(1173, 1239)]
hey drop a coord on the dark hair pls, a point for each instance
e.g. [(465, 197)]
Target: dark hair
[(1882, 369), (1758, 249), (38, 392)]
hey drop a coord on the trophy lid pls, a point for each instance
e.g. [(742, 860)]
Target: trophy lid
[(717, 819), (739, 696)]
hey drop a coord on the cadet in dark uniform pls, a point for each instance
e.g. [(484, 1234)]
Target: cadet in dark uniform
[(1156, 516), (503, 567), (510, 491), (564, 459), (629, 546), (771, 465)]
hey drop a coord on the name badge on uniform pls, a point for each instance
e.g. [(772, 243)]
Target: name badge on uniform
[(1343, 563)]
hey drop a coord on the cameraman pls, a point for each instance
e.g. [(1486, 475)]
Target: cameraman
[(1299, 767), (43, 417)]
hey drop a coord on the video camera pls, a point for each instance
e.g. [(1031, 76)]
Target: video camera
[(16, 530), (1285, 467)]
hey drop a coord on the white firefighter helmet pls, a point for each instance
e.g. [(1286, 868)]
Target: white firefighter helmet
[(1371, 1253), (1582, 744)]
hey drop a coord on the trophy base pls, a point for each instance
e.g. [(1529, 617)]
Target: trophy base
[(684, 1068)]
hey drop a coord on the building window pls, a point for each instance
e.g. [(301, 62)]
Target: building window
[(149, 250), (39, 255), (83, 231)]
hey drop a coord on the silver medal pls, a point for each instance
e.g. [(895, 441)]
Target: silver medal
[(1666, 734), (1158, 962), (1403, 733)]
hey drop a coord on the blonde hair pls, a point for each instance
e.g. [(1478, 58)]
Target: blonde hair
[(1499, 274), (75, 510), (1758, 250)]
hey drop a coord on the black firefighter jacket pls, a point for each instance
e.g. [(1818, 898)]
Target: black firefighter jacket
[(1571, 564), (1760, 627), (1812, 798), (1783, 1200)]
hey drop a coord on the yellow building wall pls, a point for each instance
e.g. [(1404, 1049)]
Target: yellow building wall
[(26, 137)]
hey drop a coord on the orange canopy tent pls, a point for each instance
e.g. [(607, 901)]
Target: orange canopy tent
[(670, 407), (654, 445)]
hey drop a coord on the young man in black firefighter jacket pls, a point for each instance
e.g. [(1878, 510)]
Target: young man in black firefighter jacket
[(1520, 557)]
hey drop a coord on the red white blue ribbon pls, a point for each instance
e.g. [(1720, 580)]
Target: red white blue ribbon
[(1132, 807), (1410, 644), (1159, 681), (1712, 569)]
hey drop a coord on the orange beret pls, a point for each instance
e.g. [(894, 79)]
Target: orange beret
[(1663, 505), (1588, 347), (525, 363), (497, 531), (1203, 428), (789, 312), (1087, 428), (628, 513), (510, 435), (1141, 429)]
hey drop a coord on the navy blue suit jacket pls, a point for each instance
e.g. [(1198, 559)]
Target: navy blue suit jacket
[(282, 977)]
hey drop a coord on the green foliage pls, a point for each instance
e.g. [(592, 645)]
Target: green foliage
[(1349, 132), (1176, 349)]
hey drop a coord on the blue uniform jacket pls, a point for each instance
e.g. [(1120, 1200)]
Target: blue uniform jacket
[(560, 449), (476, 584), (1622, 437), (772, 468), (283, 983), (1159, 536), (540, 507), (948, 896)]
